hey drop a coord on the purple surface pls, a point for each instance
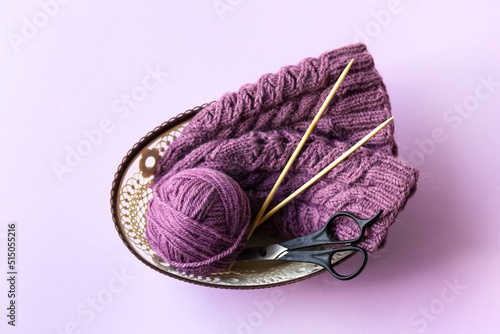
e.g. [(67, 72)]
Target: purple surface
[(84, 66)]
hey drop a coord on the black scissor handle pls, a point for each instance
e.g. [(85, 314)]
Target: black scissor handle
[(324, 259), (322, 236), (362, 223)]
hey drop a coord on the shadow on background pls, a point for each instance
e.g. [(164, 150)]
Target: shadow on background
[(434, 230)]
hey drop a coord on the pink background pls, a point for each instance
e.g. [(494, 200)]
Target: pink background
[(64, 69)]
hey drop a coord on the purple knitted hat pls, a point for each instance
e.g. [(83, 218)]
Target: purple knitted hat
[(250, 135)]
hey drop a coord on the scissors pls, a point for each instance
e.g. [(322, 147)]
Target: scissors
[(296, 249)]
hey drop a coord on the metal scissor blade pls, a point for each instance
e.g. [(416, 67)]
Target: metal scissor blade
[(271, 252)]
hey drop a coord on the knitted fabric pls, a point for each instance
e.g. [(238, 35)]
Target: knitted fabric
[(250, 135)]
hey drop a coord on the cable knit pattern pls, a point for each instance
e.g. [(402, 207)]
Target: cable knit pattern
[(291, 98), (250, 135)]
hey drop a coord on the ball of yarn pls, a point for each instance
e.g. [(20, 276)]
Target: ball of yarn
[(197, 220)]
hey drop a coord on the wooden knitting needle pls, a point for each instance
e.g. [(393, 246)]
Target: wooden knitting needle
[(324, 171), (257, 220)]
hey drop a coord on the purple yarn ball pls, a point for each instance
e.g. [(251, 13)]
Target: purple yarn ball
[(197, 220)]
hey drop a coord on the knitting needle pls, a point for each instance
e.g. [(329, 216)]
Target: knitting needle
[(257, 220), (324, 171)]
